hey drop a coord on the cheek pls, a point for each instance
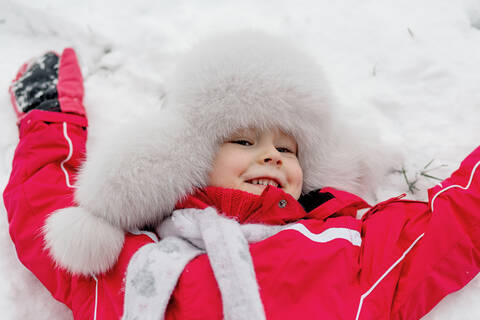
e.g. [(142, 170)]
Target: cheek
[(226, 168), (296, 179), (296, 173), (219, 173), (214, 176)]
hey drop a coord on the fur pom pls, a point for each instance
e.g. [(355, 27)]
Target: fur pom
[(82, 243)]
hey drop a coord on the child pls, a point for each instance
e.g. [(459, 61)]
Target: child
[(247, 128)]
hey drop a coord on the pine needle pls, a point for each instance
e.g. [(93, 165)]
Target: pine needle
[(428, 164), (424, 172), (429, 176), (411, 185)]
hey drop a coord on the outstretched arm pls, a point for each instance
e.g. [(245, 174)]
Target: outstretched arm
[(47, 97), (448, 255), (415, 253)]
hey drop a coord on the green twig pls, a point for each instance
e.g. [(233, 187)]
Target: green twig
[(411, 185), (428, 164), (429, 176), (425, 173)]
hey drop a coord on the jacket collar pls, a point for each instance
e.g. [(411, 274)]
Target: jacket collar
[(273, 206), (342, 203)]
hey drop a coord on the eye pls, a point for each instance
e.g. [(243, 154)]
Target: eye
[(284, 150), (242, 142)]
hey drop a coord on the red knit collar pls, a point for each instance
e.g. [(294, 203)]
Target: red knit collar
[(273, 206)]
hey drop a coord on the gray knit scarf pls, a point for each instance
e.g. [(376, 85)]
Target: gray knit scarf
[(154, 270)]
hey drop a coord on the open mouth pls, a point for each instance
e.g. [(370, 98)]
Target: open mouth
[(265, 182)]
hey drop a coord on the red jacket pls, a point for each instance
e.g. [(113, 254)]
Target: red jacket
[(397, 262)]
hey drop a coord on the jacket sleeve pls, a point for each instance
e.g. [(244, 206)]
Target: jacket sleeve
[(48, 155), (50, 149), (426, 250)]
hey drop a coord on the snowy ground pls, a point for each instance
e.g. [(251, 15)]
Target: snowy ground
[(409, 68)]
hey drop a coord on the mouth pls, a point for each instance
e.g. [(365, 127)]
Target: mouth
[(265, 182)]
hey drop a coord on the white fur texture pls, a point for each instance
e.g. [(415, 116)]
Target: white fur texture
[(82, 243), (137, 173), (251, 79)]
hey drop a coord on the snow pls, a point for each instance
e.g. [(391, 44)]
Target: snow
[(410, 69)]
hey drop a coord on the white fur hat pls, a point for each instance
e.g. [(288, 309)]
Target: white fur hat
[(136, 175)]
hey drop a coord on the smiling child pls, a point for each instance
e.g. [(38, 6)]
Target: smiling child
[(235, 200)]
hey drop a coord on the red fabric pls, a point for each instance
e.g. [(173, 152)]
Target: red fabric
[(36, 188), (298, 276), (246, 207), (70, 83)]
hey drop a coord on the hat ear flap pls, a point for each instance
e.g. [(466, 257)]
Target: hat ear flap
[(133, 177), (137, 172), (81, 242)]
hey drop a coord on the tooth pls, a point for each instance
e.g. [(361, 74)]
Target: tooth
[(264, 182)]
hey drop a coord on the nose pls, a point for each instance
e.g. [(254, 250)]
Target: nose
[(271, 156)]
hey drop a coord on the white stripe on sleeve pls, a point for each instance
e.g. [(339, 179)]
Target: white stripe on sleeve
[(353, 236)]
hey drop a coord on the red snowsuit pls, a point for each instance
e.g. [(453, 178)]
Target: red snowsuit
[(397, 262)]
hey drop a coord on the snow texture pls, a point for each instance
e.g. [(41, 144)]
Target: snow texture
[(409, 69)]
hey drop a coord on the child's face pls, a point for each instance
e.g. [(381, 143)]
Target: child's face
[(250, 159)]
